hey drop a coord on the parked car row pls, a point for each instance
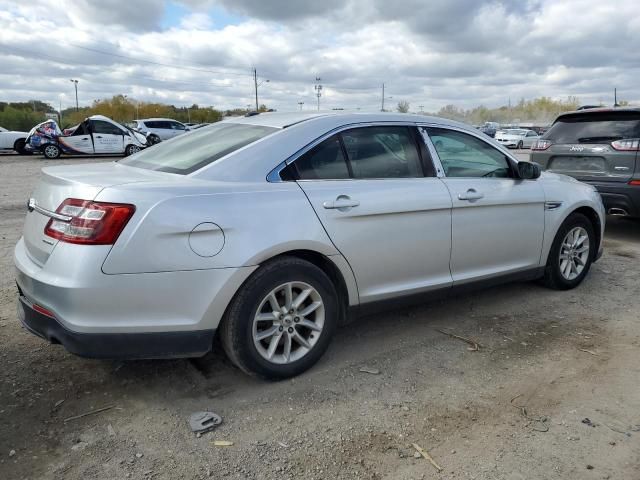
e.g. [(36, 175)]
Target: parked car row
[(96, 135)]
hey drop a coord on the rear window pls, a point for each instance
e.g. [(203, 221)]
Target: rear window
[(190, 152), (595, 128)]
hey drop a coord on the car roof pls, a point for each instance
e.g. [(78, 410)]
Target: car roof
[(603, 110), (284, 120), (156, 119)]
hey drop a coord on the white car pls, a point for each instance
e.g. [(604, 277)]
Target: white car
[(516, 138), (158, 129), (11, 140), (96, 135), (268, 230)]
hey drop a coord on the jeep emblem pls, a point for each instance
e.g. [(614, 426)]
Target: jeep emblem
[(576, 148)]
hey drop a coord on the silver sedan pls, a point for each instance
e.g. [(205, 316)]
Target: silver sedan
[(268, 231)]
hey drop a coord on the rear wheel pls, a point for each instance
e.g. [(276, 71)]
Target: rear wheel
[(153, 139), (281, 320), (571, 254), (51, 151)]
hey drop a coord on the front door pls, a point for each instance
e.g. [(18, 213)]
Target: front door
[(392, 224), (497, 219), (79, 142), (107, 137)]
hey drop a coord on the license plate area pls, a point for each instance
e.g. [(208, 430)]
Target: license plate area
[(577, 163)]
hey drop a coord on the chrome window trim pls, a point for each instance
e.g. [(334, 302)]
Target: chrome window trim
[(478, 135), (274, 175)]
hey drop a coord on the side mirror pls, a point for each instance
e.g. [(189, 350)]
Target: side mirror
[(528, 170)]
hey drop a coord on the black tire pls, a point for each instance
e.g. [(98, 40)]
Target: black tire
[(19, 146), (236, 333), (520, 145), (153, 139), (553, 277), (51, 151), (131, 149)]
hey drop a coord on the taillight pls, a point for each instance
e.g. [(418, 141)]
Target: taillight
[(629, 145), (91, 223), (635, 183), (541, 145)]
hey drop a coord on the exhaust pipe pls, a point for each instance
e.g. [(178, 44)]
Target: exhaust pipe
[(618, 212)]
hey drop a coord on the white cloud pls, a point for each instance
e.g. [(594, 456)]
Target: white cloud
[(430, 53)]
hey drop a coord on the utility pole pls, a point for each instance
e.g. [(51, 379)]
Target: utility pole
[(301, 104), (382, 107), (318, 89), (421, 108), (255, 82), (75, 84), (615, 97)]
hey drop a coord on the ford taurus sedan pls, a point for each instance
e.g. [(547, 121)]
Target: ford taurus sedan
[(268, 231)]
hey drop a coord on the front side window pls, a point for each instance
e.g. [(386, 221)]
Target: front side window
[(463, 155), (382, 152), (106, 128), (187, 153), (177, 126)]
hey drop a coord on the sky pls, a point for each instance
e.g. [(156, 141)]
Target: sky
[(428, 53)]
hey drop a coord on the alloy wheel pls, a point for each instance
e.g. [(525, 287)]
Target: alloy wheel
[(288, 322), (574, 253)]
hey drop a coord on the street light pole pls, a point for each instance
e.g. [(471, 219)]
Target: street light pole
[(382, 108), (318, 89), (75, 84), (255, 82), (301, 104)]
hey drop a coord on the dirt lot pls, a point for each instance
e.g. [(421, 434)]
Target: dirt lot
[(516, 409)]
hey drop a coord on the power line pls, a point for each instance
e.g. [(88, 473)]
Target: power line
[(151, 62)]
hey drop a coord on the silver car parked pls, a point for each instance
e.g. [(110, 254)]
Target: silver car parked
[(269, 230)]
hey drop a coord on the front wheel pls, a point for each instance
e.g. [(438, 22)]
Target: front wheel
[(153, 139), (281, 320), (520, 145), (131, 149), (571, 254), (51, 151), (19, 146)]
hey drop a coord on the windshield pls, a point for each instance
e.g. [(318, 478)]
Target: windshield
[(192, 151), (595, 128)]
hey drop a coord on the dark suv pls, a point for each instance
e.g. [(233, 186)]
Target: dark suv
[(600, 147)]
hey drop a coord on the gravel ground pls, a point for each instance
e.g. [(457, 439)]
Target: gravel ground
[(553, 391)]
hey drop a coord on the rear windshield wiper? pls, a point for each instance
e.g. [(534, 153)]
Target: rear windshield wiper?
[(600, 139)]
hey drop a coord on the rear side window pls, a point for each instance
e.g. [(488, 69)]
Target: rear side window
[(325, 161), (188, 153), (382, 152), (595, 127), (360, 153)]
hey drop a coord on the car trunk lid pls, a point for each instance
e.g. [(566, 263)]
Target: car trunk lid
[(59, 183), (595, 162)]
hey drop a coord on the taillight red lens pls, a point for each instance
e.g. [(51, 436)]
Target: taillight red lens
[(541, 145), (635, 183), (92, 223), (629, 145)]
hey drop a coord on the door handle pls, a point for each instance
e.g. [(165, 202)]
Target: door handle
[(471, 195), (98, 136), (342, 202)]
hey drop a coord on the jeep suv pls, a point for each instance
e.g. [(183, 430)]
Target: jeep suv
[(600, 147)]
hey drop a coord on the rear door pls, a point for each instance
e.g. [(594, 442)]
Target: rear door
[(388, 219), (107, 137), (590, 146)]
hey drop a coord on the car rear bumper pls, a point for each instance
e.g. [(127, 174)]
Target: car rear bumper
[(115, 345), (145, 315), (619, 198)]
